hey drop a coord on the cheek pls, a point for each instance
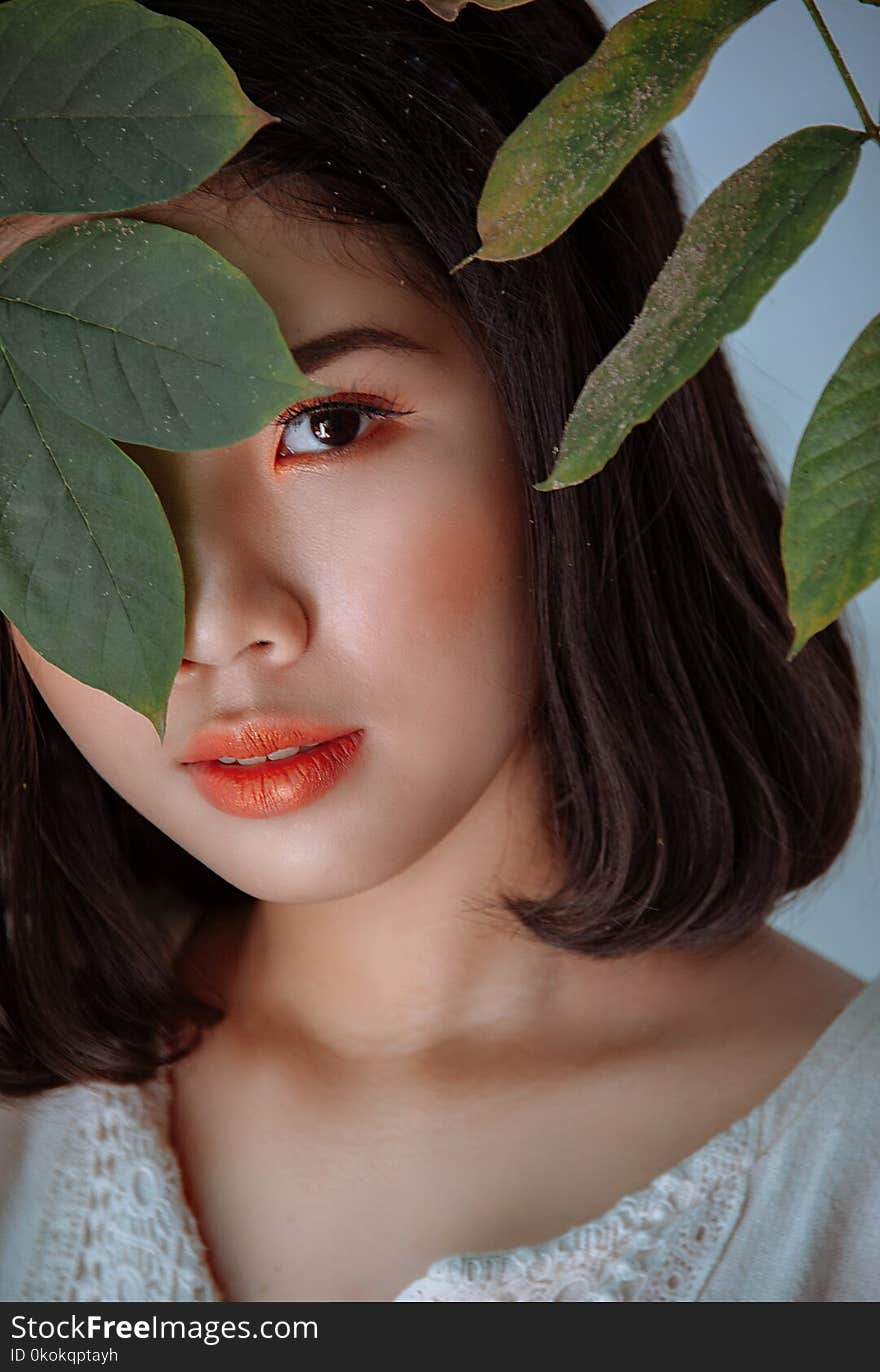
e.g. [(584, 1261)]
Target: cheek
[(460, 579)]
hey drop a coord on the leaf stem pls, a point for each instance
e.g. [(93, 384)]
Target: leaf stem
[(872, 128)]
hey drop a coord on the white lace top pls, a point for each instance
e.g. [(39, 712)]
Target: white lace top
[(782, 1206)]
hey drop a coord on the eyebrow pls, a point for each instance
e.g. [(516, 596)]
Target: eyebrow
[(330, 346)]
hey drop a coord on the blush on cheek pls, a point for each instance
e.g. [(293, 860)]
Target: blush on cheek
[(461, 569)]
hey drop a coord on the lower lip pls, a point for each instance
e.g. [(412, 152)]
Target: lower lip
[(274, 788)]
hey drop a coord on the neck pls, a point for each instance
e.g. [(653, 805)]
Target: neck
[(410, 979)]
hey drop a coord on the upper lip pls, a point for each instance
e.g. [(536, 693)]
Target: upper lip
[(259, 737)]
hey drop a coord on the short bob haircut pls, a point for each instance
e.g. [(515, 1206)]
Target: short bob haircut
[(694, 776)]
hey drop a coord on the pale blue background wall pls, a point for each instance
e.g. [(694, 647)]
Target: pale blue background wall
[(773, 76)]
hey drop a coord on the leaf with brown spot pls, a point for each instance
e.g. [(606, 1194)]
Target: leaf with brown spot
[(576, 142), (737, 244)]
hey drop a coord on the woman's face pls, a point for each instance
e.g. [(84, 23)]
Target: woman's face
[(378, 585)]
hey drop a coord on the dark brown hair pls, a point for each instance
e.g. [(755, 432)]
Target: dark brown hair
[(694, 776)]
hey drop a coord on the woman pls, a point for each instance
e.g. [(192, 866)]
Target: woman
[(482, 1002)]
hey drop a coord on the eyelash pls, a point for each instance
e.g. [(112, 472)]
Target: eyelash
[(340, 401)]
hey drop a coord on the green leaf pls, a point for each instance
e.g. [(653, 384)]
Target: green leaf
[(576, 142), (147, 334), (105, 105), (737, 244), (90, 572), (831, 524), (451, 9)]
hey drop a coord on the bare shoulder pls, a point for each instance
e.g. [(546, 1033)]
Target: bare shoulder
[(813, 985), (785, 996)]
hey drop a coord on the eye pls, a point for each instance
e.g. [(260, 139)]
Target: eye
[(328, 425)]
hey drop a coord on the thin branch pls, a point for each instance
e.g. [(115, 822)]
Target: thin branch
[(864, 113)]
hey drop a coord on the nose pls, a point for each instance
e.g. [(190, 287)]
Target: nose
[(242, 602), (240, 610)]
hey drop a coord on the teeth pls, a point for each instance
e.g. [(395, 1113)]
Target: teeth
[(255, 761)]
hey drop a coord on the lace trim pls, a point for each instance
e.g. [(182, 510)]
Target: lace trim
[(114, 1225), (662, 1243), (657, 1245)]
